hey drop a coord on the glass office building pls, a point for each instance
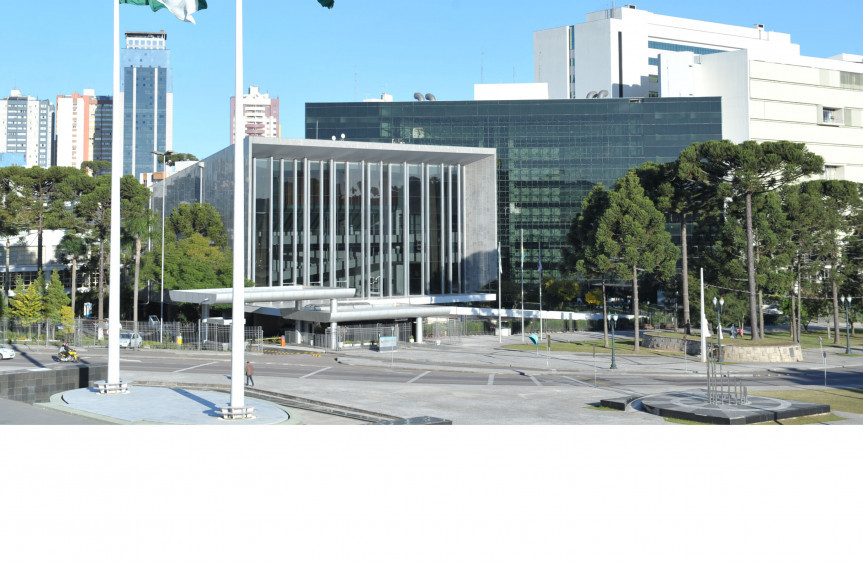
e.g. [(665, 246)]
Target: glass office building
[(550, 152), (392, 221), (146, 81)]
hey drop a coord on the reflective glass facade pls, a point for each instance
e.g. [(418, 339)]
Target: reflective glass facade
[(550, 152)]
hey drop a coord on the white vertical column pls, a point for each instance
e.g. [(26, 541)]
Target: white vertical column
[(443, 238), (295, 228), (332, 247), (381, 229), (281, 257), (321, 223), (307, 223), (449, 248), (268, 240), (363, 250), (116, 173), (406, 208), (347, 237), (238, 301)]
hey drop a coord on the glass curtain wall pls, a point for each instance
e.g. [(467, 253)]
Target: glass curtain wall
[(337, 226)]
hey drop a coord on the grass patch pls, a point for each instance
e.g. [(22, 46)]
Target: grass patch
[(621, 346), (603, 408), (850, 401), (808, 339)]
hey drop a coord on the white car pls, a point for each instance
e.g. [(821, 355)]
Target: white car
[(6, 352), (129, 340)]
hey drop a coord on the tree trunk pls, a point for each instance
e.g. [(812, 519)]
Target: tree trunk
[(635, 304), (604, 314), (684, 287), (750, 258), (793, 324), (135, 291), (760, 312), (799, 306), (835, 290)]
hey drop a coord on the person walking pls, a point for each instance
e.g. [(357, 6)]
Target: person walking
[(250, 371)]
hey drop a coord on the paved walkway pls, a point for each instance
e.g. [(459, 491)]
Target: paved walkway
[(570, 403)]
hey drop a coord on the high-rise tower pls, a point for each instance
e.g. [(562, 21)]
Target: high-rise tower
[(148, 99), (27, 127)]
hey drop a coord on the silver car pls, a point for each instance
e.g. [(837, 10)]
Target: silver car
[(6, 352), (130, 340)]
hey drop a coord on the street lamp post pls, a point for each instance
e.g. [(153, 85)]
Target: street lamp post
[(846, 301), (612, 322), (717, 305), (164, 155), (201, 165)]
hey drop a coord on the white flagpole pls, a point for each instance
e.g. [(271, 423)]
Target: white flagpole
[(116, 173), (238, 303), (703, 325)]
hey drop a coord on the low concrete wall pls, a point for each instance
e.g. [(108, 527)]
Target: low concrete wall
[(34, 386), (730, 352)]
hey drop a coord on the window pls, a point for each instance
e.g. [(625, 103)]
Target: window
[(652, 78), (831, 116)]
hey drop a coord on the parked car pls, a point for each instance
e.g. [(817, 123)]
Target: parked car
[(6, 352), (129, 340)]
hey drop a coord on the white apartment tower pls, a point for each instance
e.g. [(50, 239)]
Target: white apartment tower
[(260, 115), (769, 90), (83, 127), (27, 127)]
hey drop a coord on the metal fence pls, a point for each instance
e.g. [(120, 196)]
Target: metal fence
[(90, 333)]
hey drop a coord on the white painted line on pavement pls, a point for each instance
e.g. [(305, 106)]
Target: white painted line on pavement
[(535, 381), (412, 380), (315, 372), (491, 379), (191, 367), (130, 360)]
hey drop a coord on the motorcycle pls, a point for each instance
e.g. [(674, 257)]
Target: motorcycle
[(69, 356)]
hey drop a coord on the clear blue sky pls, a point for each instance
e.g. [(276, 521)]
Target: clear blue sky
[(300, 52)]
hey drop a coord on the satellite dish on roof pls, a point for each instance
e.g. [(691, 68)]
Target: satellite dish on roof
[(591, 94), (602, 94)]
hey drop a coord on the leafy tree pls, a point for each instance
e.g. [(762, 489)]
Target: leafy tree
[(187, 219), (26, 305), (632, 235), (740, 172), (174, 158), (138, 221), (55, 297), (73, 250), (98, 168), (583, 253), (94, 209), (36, 198)]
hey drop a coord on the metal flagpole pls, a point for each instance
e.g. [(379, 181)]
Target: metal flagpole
[(703, 324), (499, 280), (522, 286), (237, 405), (539, 268), (116, 173)]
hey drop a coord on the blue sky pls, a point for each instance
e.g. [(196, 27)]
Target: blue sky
[(300, 52)]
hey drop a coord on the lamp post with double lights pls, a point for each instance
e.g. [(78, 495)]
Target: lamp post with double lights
[(164, 155), (717, 305), (612, 322), (846, 302)]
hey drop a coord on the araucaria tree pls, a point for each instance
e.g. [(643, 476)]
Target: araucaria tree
[(741, 172), (632, 234)]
